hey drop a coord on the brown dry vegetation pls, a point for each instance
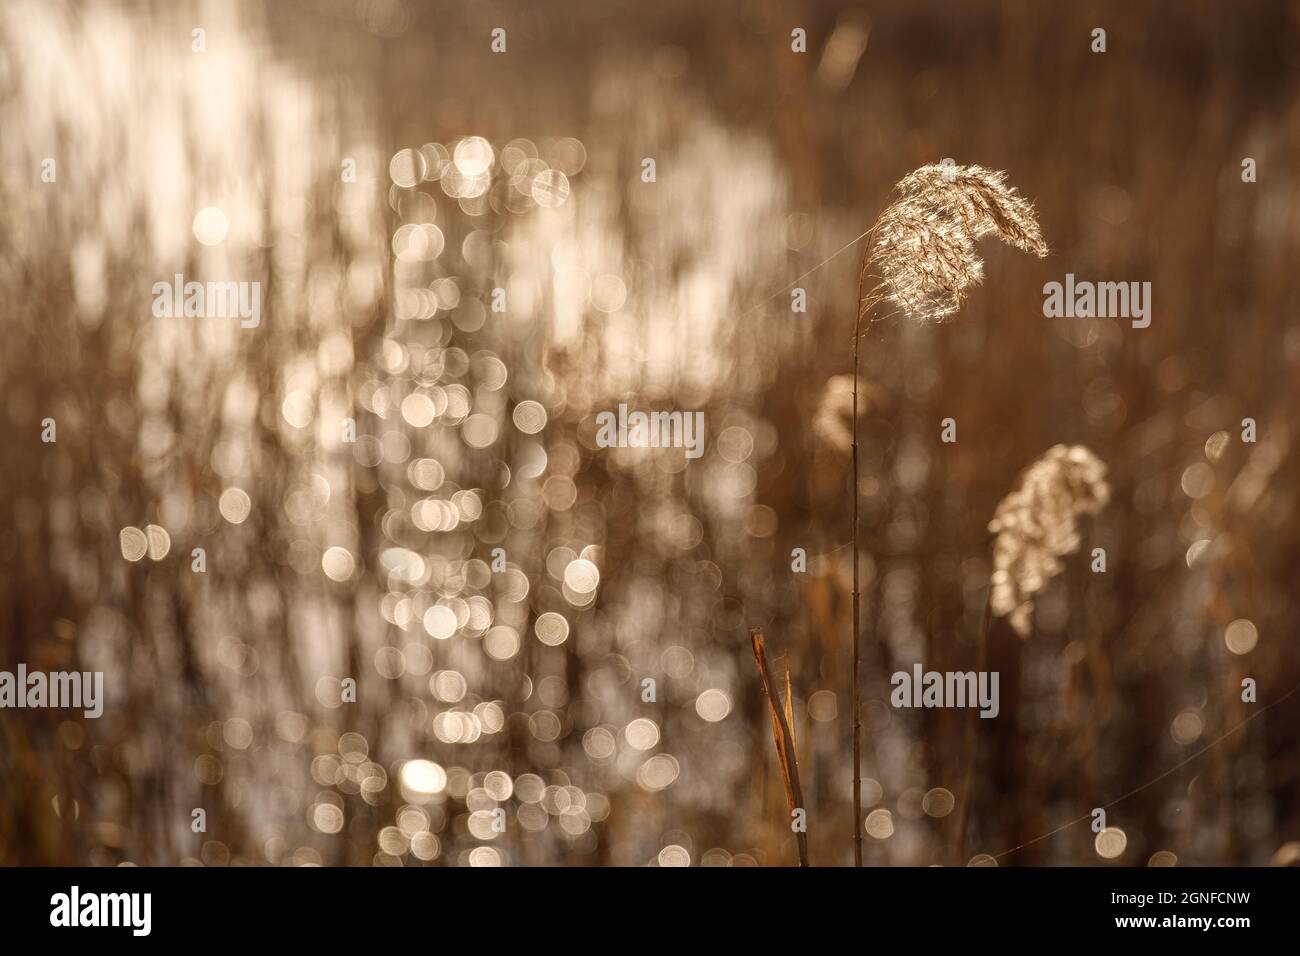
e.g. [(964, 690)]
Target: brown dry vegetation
[(768, 162)]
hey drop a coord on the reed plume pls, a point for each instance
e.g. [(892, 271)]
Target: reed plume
[(922, 254), (922, 247), (1036, 525)]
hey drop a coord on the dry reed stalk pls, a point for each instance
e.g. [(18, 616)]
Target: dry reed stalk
[(972, 741), (923, 248), (855, 701), (783, 733)]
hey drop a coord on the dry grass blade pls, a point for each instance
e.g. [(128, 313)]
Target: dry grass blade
[(789, 712), (783, 733)]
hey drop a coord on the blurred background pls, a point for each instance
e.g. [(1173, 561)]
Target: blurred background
[(380, 171)]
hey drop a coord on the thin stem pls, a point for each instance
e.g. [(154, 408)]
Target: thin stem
[(857, 640), (855, 694), (981, 663), (865, 303)]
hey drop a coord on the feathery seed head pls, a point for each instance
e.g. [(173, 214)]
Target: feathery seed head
[(1036, 526), (923, 244)]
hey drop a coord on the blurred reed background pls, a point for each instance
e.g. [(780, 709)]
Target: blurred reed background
[(522, 689)]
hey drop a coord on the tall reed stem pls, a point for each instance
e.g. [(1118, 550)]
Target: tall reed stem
[(855, 695), (972, 741), (922, 251)]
